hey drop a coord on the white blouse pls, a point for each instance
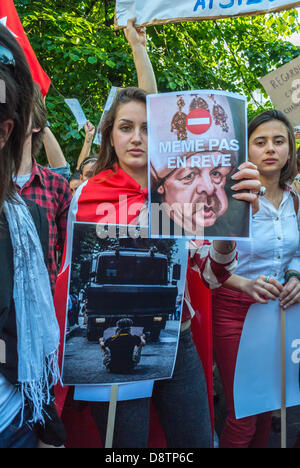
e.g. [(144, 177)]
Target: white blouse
[(275, 247)]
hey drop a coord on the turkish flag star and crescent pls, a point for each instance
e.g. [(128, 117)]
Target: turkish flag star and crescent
[(10, 19)]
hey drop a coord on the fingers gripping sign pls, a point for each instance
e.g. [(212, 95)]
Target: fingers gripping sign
[(265, 288), (291, 293), (135, 35)]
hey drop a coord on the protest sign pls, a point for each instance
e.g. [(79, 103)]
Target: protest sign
[(77, 111), (128, 283), (161, 12), (257, 382), (283, 87), (196, 141), (111, 96)]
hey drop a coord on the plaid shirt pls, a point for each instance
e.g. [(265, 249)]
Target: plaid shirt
[(51, 191)]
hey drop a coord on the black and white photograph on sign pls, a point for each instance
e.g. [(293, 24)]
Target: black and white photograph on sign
[(197, 141), (125, 306)]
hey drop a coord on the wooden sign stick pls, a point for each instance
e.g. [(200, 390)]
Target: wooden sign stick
[(283, 377), (111, 416)]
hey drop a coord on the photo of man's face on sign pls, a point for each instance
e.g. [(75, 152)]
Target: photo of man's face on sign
[(197, 140)]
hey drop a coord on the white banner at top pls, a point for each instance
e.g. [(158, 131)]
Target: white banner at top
[(150, 12)]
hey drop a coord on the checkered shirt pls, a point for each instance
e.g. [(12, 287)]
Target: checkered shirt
[(51, 191)]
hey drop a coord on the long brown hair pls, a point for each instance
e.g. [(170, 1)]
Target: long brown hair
[(17, 106), (289, 171), (107, 156)]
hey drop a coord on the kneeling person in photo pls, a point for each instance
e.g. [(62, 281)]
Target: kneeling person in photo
[(122, 351)]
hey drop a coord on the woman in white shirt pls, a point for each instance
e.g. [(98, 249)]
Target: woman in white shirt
[(268, 265)]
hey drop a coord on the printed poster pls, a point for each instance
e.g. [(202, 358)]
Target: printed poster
[(109, 101), (283, 87), (174, 11), (196, 142), (257, 381), (125, 304)]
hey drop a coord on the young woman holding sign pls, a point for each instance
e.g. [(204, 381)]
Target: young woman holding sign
[(121, 170), (268, 265)]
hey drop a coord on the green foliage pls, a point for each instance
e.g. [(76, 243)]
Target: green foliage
[(82, 54)]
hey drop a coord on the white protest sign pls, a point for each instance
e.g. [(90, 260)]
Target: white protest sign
[(172, 11), (257, 381), (111, 96), (283, 87), (77, 111)]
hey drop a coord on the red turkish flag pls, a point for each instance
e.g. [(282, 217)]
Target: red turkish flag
[(9, 18)]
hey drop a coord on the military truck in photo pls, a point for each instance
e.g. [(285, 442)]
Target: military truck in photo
[(138, 284)]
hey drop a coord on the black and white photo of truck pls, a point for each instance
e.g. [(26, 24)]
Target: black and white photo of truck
[(139, 280)]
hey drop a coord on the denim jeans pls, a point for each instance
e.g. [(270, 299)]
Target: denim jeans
[(181, 404), (18, 437)]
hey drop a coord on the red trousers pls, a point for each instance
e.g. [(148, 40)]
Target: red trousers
[(229, 309)]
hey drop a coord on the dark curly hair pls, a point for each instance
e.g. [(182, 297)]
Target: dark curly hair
[(17, 107)]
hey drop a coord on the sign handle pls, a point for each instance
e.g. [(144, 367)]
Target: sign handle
[(283, 377), (111, 416)]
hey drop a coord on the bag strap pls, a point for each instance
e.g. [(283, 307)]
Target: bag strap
[(296, 202)]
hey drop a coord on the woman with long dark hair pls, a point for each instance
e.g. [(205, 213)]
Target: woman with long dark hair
[(29, 333), (268, 265), (118, 191)]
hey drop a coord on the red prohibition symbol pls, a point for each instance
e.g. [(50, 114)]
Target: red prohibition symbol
[(198, 121)]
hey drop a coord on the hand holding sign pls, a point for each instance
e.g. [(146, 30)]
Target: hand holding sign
[(135, 36)]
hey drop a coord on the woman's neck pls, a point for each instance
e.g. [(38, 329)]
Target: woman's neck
[(274, 192), (140, 176)]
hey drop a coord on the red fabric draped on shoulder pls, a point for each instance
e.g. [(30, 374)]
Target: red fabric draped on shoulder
[(111, 197)]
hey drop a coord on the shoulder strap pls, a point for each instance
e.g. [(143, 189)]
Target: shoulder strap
[(296, 202)]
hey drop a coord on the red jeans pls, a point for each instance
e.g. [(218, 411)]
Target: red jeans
[(229, 310)]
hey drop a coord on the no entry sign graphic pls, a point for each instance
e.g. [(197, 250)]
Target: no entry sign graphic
[(198, 121)]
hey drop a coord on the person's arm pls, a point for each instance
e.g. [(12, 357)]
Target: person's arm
[(143, 340), (214, 266), (261, 289), (53, 150), (101, 344), (137, 40), (87, 145)]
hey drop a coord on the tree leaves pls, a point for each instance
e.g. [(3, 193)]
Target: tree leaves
[(82, 54)]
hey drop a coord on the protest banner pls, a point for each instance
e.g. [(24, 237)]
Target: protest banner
[(109, 101), (126, 299), (10, 19), (196, 141), (77, 111), (175, 11), (283, 87), (258, 373)]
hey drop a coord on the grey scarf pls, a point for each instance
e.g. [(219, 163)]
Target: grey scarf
[(37, 328)]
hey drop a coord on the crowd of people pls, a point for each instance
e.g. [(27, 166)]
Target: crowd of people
[(36, 212)]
